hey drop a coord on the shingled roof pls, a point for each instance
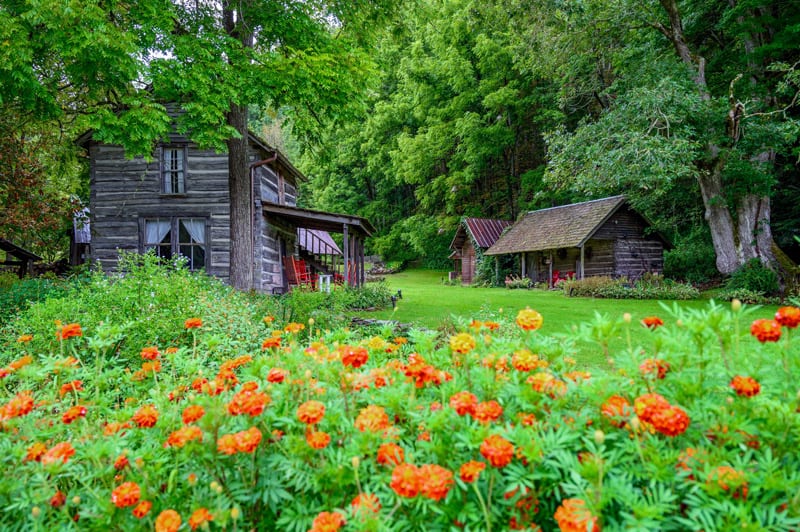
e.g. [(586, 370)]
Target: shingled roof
[(484, 231), (557, 227)]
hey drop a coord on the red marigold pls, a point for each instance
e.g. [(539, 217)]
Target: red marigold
[(142, 509), (788, 316), (121, 462), (318, 439), (435, 481), (311, 412), (366, 502), (71, 330), (184, 435), (168, 521), (247, 440), (529, 320), (766, 330), (73, 413), (71, 387), (327, 522), (272, 341), (573, 516), (150, 353), (126, 494), (617, 409), (277, 375), (462, 343), (390, 454), (372, 419), (670, 420), (146, 416), (192, 413), (497, 450), (58, 500), (19, 405), (648, 404), (745, 386), (200, 517), (488, 411), (470, 471), (405, 480), (354, 357), (35, 452), (463, 403), (654, 366), (226, 444), (652, 322), (59, 452), (193, 323)]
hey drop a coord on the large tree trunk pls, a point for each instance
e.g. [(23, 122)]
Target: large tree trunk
[(241, 202), (719, 219)]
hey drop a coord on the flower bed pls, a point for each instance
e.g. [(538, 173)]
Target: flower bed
[(494, 428)]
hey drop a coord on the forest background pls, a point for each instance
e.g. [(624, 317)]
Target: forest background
[(453, 108)]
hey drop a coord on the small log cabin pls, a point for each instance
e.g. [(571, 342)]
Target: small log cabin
[(600, 237), (473, 237), (178, 203)]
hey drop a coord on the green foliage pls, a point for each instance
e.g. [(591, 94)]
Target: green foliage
[(513, 282), (17, 295), (651, 287), (746, 296), (692, 259), (329, 309), (755, 277)]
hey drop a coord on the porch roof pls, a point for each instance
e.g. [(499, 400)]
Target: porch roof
[(18, 252), (320, 220)]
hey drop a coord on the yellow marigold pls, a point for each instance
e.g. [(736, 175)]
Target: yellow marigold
[(294, 328), (525, 360), (376, 343), (529, 320), (462, 343)]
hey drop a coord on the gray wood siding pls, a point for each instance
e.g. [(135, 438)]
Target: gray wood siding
[(635, 256), (601, 258)]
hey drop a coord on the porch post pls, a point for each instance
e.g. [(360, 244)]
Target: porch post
[(361, 261), (582, 259), (524, 266), (346, 251), (550, 269)]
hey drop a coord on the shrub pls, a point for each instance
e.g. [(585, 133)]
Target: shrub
[(755, 277), (512, 282), (648, 287), (17, 295), (746, 296), (692, 259)]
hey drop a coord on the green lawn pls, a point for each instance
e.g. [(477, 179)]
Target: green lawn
[(427, 302)]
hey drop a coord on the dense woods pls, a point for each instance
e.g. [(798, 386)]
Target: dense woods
[(415, 114)]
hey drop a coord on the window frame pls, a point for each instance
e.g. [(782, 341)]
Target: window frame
[(174, 237), (162, 169)]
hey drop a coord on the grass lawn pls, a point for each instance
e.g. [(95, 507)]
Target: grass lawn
[(427, 302)]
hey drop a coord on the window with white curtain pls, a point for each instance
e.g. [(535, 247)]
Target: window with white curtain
[(173, 169), (169, 237)]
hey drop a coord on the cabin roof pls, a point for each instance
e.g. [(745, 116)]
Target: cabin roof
[(320, 220), (484, 231), (317, 242), (18, 252)]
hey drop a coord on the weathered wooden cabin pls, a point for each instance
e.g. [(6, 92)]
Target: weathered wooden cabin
[(179, 203), (600, 237), (473, 237)]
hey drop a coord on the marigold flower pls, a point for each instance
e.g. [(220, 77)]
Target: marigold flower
[(184, 435), (192, 413), (71, 330), (25, 338), (248, 402), (462, 343), (126, 494), (247, 440), (193, 323), (311, 412), (648, 404), (390, 454), (525, 360), (529, 320), (277, 375), (327, 522), (617, 409), (121, 462), (745, 386), (200, 517), (654, 366), (68, 387), (470, 471), (142, 509), (497, 450), (372, 419), (318, 439), (113, 427), (406, 480), (59, 452), (527, 419), (294, 328), (366, 502), (150, 353), (788, 317), (435, 481), (652, 322), (226, 444), (463, 403), (271, 342), (354, 357), (34, 452), (487, 411), (168, 521), (574, 516), (731, 480), (146, 416), (20, 363), (73, 413), (766, 330), (19, 405), (58, 500), (670, 420)]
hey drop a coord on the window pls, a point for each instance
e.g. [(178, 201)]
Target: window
[(169, 237), (173, 169)]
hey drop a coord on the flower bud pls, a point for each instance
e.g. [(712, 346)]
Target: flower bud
[(626, 317), (235, 513), (636, 424), (736, 305), (356, 461), (215, 486), (311, 321), (599, 437), (76, 500), (36, 512)]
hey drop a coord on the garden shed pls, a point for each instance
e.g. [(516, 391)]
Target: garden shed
[(600, 237), (473, 237)]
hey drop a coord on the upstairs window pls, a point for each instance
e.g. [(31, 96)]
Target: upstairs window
[(169, 237), (173, 169)]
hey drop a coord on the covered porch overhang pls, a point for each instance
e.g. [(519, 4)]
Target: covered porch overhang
[(354, 230)]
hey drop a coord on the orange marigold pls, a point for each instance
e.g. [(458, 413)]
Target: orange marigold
[(463, 403), (294, 328), (318, 439), (121, 462), (372, 419), (745, 386), (654, 366), (462, 343), (366, 502), (226, 444), (311, 412), (488, 411), (59, 452), (525, 360), (200, 517), (391, 454), (670, 420), (648, 404), (19, 405), (184, 435), (327, 522), (192, 413), (652, 322), (435, 481), (150, 353), (247, 440), (497, 450), (34, 452), (731, 480), (73, 413), (20, 363), (788, 317), (766, 330), (146, 416), (126, 494), (113, 427), (470, 471), (168, 521), (247, 401), (58, 500), (354, 357), (271, 342), (406, 480), (574, 516), (617, 409), (529, 320), (70, 387), (71, 330), (142, 509), (277, 375), (25, 338), (193, 323)]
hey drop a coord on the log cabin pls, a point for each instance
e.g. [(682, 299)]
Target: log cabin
[(473, 237)]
